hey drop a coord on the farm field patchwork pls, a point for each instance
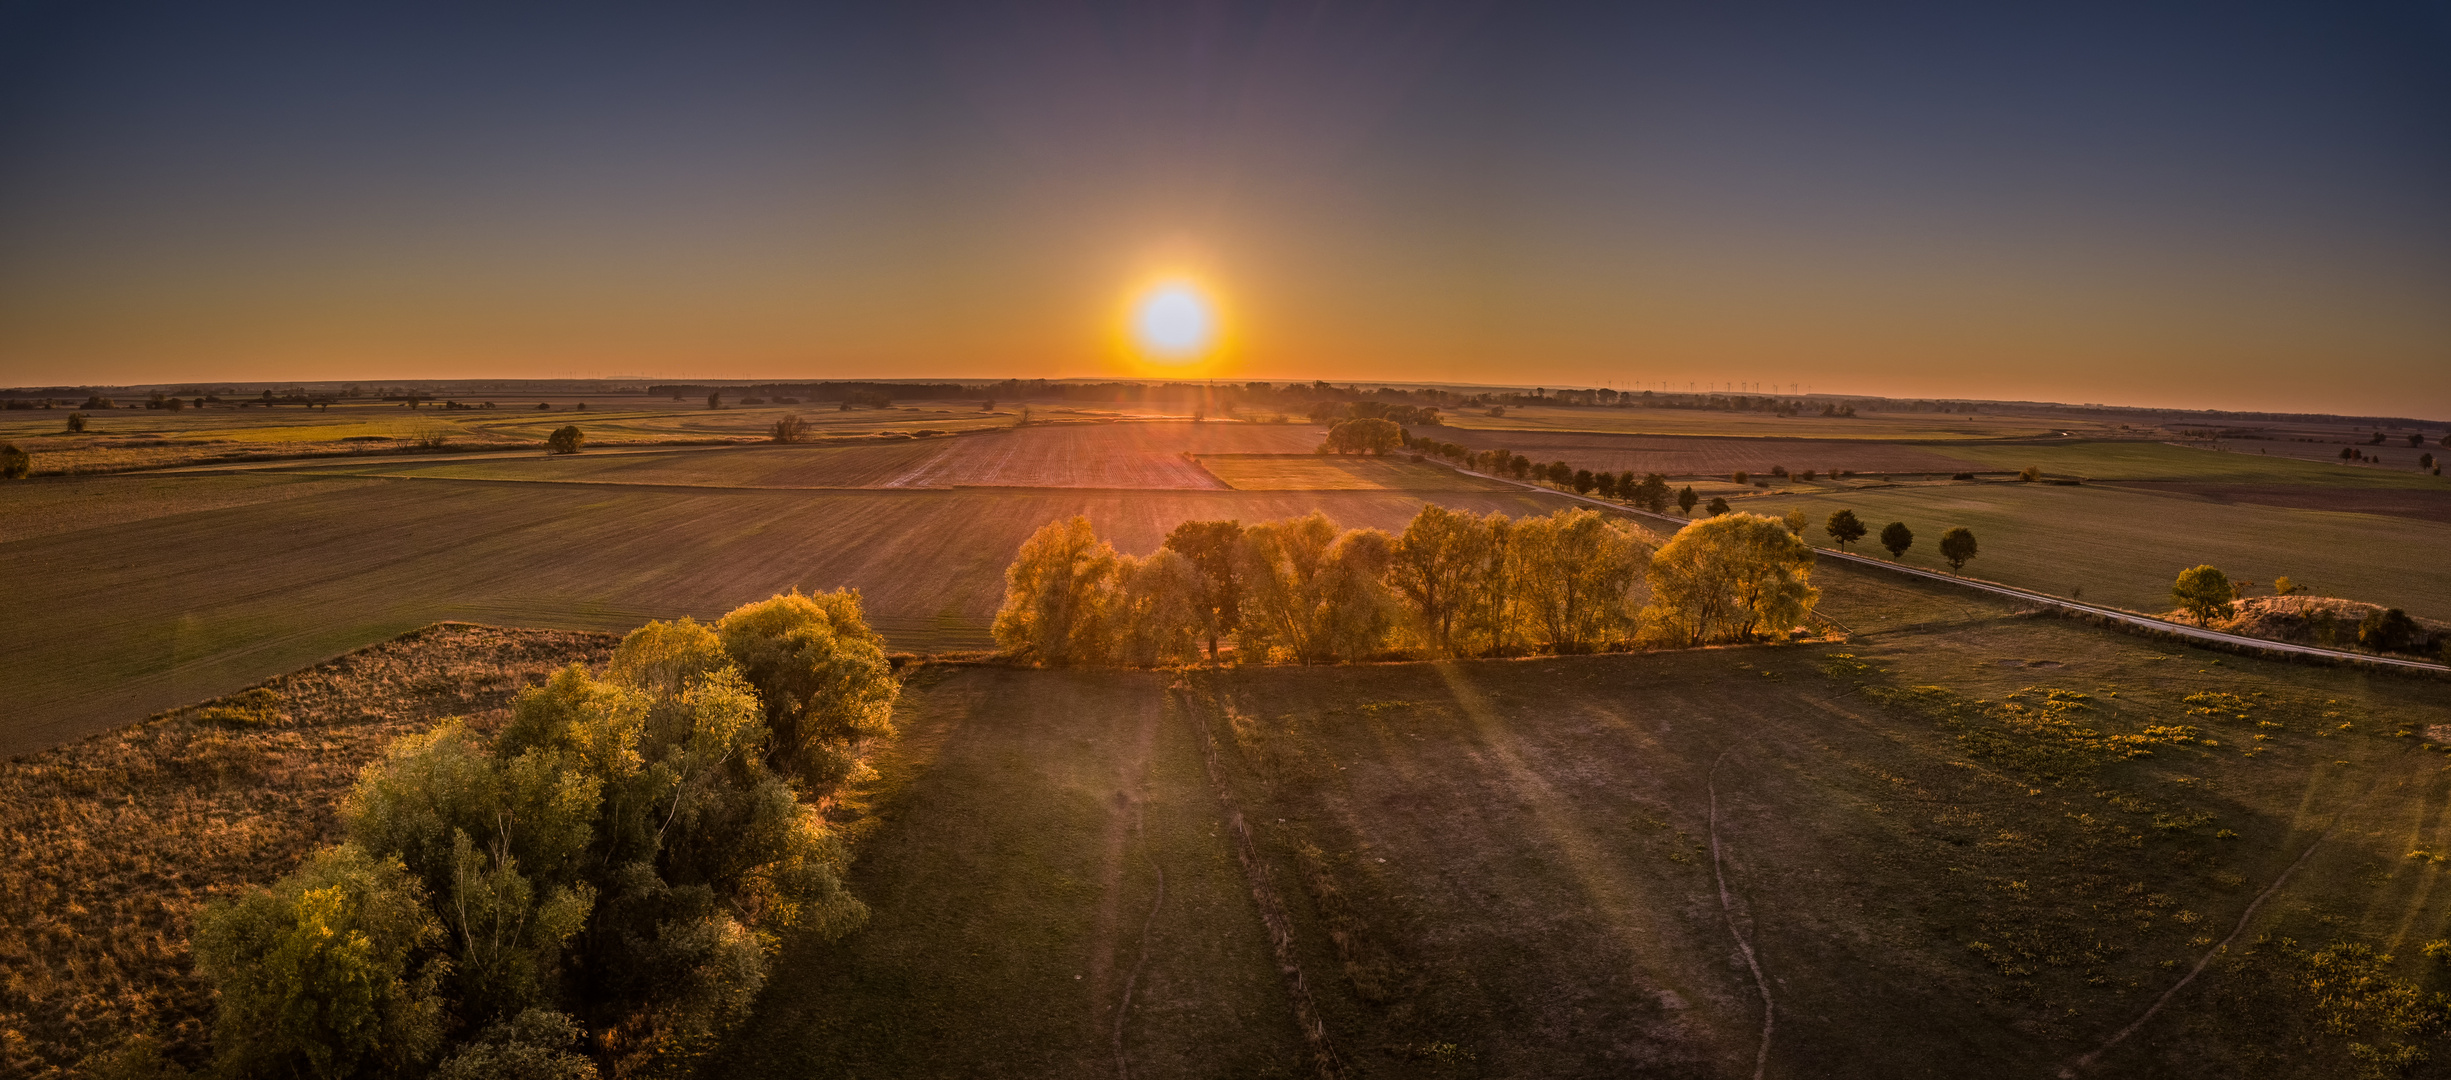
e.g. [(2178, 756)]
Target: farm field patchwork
[(2163, 461), (1685, 456), (152, 614), (1336, 472), (1877, 427), (1513, 868), (2123, 546)]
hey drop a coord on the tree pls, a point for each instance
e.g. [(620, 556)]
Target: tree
[(1796, 522), (76, 422), (2282, 586), (2416, 438), (1718, 506), (1316, 595), (2030, 473), (1577, 569), (565, 439), (1157, 610), (1897, 538), (1055, 596), (1214, 548), (1583, 481), (1436, 565), (1729, 578), (1561, 473), (1957, 545), (1364, 435), (14, 463), (331, 972), (1686, 499), (790, 429), (1742, 477), (1520, 466), (2204, 592), (714, 399), (822, 675), (1652, 494)]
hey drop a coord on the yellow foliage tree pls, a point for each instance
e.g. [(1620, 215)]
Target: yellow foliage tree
[(1056, 596), (1729, 578)]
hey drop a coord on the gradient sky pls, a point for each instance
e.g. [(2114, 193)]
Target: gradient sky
[(2209, 205)]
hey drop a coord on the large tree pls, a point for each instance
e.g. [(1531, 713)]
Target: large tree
[(1213, 548), (1577, 570), (1366, 435), (1315, 594), (1436, 565), (1056, 596), (1730, 578)]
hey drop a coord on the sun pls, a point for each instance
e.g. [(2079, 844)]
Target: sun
[(1173, 323)]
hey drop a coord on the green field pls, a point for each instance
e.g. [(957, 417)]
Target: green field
[(1876, 426), (2162, 461), (2123, 547), (1506, 868), (118, 621)]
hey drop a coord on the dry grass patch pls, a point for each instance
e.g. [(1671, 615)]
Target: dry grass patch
[(115, 842)]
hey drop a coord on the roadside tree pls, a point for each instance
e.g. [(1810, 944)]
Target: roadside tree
[(1897, 538), (1957, 545), (1686, 499), (2205, 593)]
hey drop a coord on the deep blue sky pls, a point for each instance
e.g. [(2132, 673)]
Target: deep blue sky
[(2200, 204)]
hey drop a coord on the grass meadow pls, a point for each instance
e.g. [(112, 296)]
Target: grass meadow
[(2124, 546)]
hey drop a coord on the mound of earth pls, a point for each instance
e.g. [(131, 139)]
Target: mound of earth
[(2314, 620)]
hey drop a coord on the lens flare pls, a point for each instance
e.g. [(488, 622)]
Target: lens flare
[(1174, 323)]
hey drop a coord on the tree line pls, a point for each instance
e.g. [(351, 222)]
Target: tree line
[(1452, 584), (600, 888)]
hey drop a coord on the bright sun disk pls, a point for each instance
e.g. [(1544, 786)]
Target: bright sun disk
[(1173, 322)]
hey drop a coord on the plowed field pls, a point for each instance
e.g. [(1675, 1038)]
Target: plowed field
[(1679, 456)]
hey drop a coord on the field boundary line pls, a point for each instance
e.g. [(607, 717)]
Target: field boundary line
[(2087, 1061), (1727, 908), (1324, 1061), (2113, 617)]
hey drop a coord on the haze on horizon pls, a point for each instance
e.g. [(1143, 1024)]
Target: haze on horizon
[(2179, 205)]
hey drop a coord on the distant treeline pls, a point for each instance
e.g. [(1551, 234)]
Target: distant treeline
[(1301, 590)]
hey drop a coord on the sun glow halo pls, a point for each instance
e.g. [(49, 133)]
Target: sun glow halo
[(1173, 322)]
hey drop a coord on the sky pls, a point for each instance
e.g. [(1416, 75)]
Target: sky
[(2217, 205)]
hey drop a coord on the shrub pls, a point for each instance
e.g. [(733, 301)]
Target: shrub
[(790, 429), (1796, 522), (14, 463), (2390, 630), (2030, 473), (1961, 476), (535, 1045), (566, 439), (1742, 477), (1728, 579), (76, 422)]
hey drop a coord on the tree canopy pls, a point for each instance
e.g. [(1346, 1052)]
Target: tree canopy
[(1957, 545), (1733, 577), (1897, 538), (2205, 593)]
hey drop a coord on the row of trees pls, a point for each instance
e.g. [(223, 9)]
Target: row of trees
[(599, 887), (1956, 545), (1453, 583)]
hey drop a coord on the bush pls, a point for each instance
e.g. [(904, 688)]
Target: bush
[(790, 429), (565, 439), (2390, 630), (76, 422), (622, 856), (14, 463)]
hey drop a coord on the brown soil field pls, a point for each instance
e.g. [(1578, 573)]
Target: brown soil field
[(1682, 456), (2416, 503), (114, 842), (1120, 455), (126, 620), (43, 506)]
